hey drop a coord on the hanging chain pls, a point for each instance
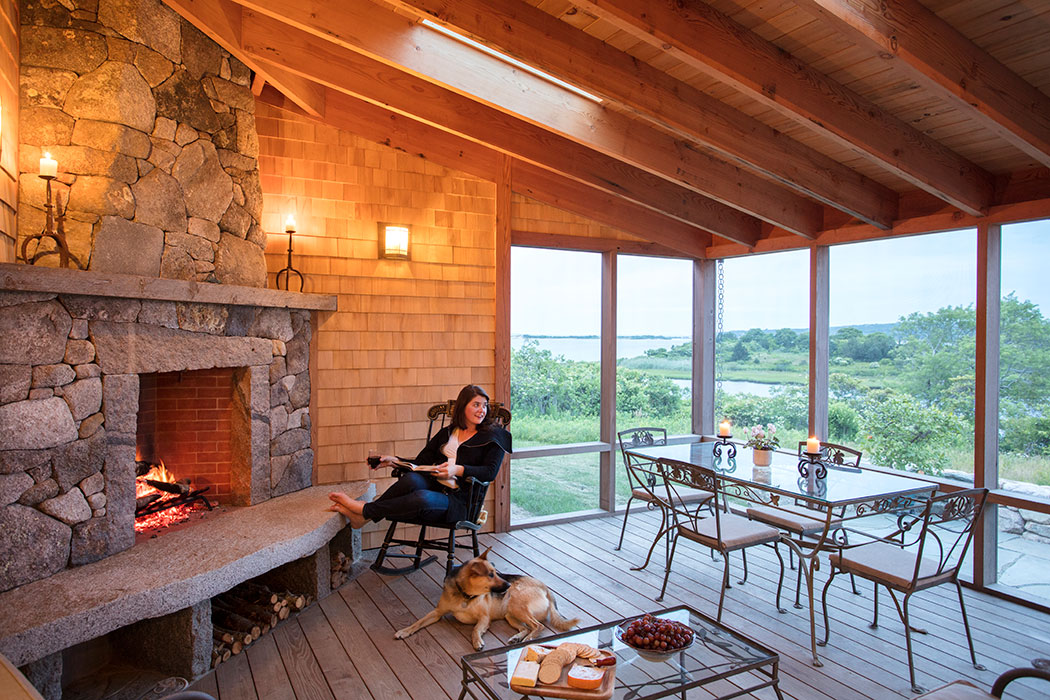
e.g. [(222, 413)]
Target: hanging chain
[(718, 320)]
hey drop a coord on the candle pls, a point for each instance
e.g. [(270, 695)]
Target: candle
[(48, 166), (813, 445), (723, 429), (289, 223)]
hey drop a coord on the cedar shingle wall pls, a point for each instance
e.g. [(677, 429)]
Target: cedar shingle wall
[(9, 21), (406, 334)]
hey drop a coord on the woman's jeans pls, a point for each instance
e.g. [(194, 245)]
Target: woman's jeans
[(414, 496)]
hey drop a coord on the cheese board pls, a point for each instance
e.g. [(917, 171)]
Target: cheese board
[(561, 687)]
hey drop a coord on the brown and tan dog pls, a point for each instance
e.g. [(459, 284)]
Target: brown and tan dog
[(475, 594)]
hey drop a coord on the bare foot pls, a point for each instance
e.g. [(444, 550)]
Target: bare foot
[(344, 506), (342, 499)]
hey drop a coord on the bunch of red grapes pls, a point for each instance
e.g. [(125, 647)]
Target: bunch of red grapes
[(656, 634)]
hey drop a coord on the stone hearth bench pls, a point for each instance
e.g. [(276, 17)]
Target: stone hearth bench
[(167, 574)]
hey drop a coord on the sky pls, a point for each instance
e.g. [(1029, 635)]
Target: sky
[(558, 292)]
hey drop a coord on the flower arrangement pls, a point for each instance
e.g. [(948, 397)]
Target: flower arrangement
[(763, 438)]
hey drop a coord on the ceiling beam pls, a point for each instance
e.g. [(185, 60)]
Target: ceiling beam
[(722, 48), (374, 123), (220, 20), (541, 40), (941, 58), (390, 39), (358, 75)]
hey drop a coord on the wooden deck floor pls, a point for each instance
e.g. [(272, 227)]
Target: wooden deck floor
[(343, 646)]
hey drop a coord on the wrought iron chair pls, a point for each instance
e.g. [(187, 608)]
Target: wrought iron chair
[(964, 690), (800, 519), (925, 551), (722, 531), (439, 415), (644, 479)]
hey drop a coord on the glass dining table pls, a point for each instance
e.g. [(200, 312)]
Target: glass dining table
[(839, 500)]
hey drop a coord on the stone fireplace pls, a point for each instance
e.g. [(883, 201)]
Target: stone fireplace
[(74, 370)]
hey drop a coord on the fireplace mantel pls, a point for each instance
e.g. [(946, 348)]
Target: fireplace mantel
[(31, 278)]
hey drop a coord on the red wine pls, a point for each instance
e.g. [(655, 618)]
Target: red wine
[(373, 462)]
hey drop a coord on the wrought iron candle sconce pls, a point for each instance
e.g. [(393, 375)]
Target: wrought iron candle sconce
[(54, 225), (288, 271)]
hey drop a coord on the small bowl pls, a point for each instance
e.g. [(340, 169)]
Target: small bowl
[(650, 654)]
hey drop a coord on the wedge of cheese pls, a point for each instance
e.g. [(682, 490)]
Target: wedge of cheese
[(525, 674), (535, 652)]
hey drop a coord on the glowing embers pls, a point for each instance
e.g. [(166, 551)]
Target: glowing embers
[(161, 500)]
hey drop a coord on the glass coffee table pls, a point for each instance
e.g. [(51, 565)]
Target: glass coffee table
[(726, 662)]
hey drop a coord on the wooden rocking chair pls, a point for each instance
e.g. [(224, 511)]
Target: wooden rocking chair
[(449, 540)]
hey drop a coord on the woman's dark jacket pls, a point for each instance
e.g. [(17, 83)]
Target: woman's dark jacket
[(480, 457)]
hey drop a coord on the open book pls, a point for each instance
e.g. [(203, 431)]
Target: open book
[(426, 469)]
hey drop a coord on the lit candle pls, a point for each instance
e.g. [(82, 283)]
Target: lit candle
[(813, 445), (723, 429), (289, 223), (48, 166)]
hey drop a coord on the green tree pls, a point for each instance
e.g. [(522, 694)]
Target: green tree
[(786, 339), (740, 352), (902, 433), (757, 338)]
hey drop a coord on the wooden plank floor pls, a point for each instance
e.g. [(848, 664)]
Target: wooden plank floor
[(343, 646)]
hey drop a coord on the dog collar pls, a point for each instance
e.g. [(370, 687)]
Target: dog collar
[(464, 593)]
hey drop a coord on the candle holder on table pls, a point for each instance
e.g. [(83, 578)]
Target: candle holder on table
[(723, 442), (813, 486), (811, 463)]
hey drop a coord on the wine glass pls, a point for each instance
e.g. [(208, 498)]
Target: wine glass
[(373, 458)]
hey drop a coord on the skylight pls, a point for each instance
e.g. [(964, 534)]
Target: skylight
[(510, 60)]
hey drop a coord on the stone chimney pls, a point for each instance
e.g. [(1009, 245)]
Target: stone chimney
[(153, 128)]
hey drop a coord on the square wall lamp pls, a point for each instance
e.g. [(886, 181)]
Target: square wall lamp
[(393, 241)]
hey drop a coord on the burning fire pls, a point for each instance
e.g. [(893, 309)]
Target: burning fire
[(162, 518), (157, 473)]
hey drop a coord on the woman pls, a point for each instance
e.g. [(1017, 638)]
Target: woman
[(470, 445)]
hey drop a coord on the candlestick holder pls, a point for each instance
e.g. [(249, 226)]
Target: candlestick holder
[(54, 230), (812, 462), (723, 443), (288, 271)]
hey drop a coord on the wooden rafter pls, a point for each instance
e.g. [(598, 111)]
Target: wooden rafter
[(942, 59), (540, 40), (372, 122), (353, 73), (427, 55), (715, 44), (220, 20)]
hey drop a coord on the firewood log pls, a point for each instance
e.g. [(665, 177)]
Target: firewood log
[(233, 621), (255, 592), (224, 637), (263, 614), (237, 636), (295, 600)]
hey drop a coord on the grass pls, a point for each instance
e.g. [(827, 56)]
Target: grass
[(1029, 469)]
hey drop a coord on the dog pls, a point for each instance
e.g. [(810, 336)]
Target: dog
[(475, 594)]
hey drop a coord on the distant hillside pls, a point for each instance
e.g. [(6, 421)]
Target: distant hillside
[(862, 327)]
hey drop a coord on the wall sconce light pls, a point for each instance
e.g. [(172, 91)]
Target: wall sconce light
[(393, 241), (54, 224), (289, 228)]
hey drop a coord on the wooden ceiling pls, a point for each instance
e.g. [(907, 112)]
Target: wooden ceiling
[(708, 128)]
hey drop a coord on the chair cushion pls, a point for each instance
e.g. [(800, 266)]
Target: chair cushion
[(957, 690), (687, 495), (791, 518), (737, 532), (888, 565)]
